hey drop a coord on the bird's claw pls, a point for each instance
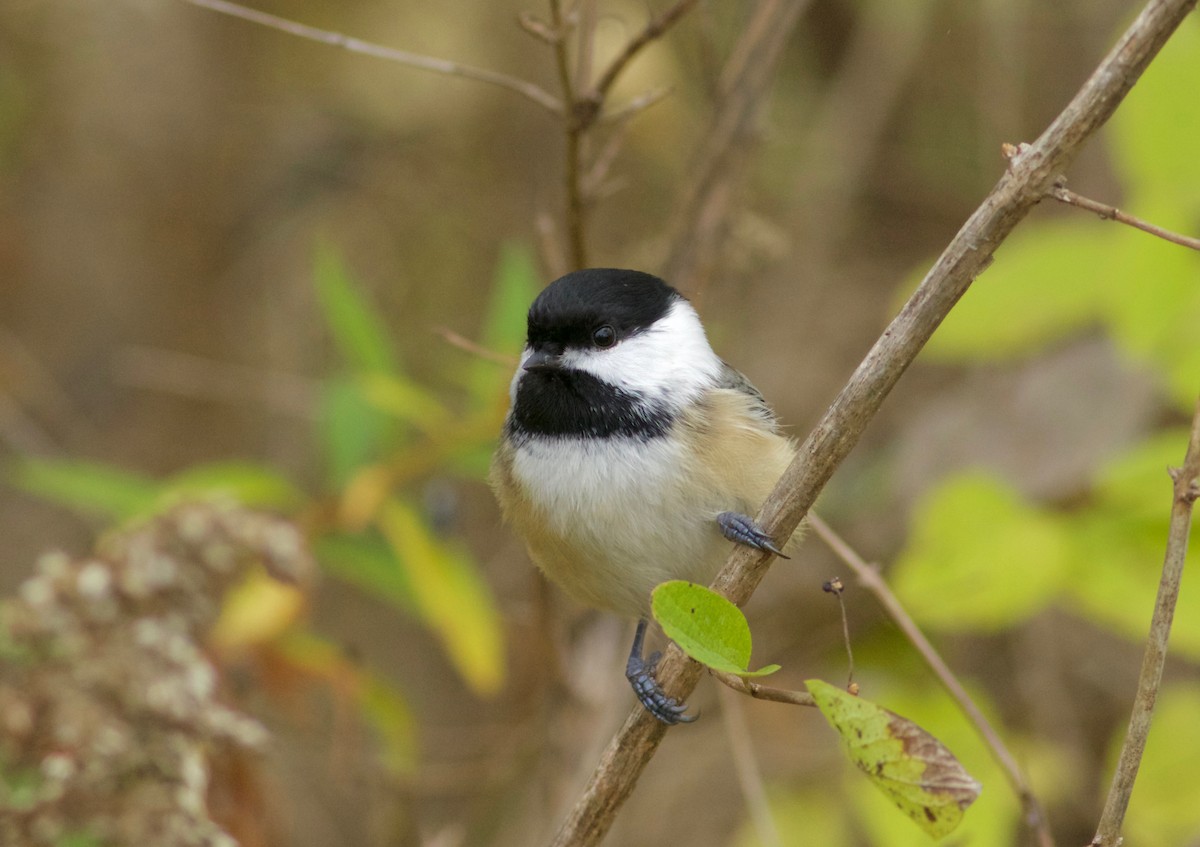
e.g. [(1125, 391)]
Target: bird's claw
[(640, 673), (743, 529)]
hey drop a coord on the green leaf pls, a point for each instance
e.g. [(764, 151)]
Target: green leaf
[(353, 431), (247, 482), (1154, 132), (367, 562), (911, 767), (405, 400), (357, 330), (979, 558), (450, 595), (706, 626), (1042, 287), (91, 487), (1155, 319), (1164, 810), (387, 709), (515, 285), (1117, 545)]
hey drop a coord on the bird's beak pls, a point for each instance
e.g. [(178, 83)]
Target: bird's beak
[(540, 360)]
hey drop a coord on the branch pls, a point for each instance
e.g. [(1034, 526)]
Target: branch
[(1186, 490), (762, 692), (869, 576), (1026, 181), (413, 60), (701, 206), (575, 124), (1111, 213), (654, 29)]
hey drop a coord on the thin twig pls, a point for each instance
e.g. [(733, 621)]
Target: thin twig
[(747, 769), (1185, 491), (1111, 213), (462, 343), (575, 124), (835, 587), (869, 577), (413, 60), (762, 692), (654, 29), (1022, 185), (700, 213)]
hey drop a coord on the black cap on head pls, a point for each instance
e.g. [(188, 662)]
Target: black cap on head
[(569, 309)]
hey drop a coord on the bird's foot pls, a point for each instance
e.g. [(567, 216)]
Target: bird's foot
[(640, 673), (743, 529)]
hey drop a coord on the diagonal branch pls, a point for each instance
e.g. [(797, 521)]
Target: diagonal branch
[(365, 48), (1029, 176), (1186, 491)]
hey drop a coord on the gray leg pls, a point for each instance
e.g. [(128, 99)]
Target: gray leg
[(744, 530), (640, 673)]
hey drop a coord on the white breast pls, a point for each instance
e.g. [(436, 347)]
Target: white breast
[(621, 515)]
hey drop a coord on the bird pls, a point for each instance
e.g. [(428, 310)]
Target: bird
[(631, 453)]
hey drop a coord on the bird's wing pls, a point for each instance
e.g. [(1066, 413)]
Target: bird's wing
[(734, 380)]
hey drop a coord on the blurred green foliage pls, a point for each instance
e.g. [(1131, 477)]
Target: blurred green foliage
[(381, 436), (981, 558)]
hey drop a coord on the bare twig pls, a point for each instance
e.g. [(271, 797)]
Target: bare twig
[(576, 123), (869, 576), (463, 343), (1185, 490), (1020, 188), (746, 766), (654, 29), (835, 587), (1111, 213), (365, 48), (762, 692), (701, 206)]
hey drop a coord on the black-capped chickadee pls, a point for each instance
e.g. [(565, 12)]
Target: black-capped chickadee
[(631, 453)]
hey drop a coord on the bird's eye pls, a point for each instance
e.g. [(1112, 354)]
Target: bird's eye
[(604, 336)]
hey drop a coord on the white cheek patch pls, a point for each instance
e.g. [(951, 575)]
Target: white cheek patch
[(669, 362), (520, 372)]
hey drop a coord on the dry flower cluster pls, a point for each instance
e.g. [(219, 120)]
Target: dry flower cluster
[(108, 705)]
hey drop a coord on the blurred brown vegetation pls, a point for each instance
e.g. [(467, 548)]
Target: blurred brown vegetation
[(165, 172)]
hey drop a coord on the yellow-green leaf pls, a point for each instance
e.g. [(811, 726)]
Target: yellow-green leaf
[(85, 486), (911, 767), (706, 626), (979, 557), (450, 595), (360, 335)]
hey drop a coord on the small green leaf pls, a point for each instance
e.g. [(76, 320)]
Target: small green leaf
[(706, 626), (367, 562), (247, 482), (360, 335), (85, 486), (353, 431), (451, 597), (405, 400), (385, 706), (911, 767)]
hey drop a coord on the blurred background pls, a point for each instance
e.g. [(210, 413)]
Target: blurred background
[(236, 261)]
